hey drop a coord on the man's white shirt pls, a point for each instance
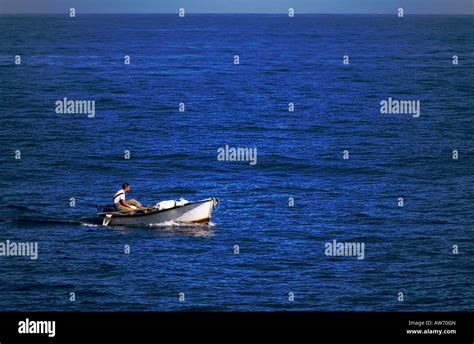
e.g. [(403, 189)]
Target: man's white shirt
[(119, 195)]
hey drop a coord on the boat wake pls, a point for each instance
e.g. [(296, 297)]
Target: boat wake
[(180, 224), (86, 224), (165, 224), (20, 208), (93, 223), (26, 220)]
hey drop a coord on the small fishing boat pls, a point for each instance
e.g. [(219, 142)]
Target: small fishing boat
[(166, 211)]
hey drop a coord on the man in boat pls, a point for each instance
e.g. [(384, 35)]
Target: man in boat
[(121, 204)]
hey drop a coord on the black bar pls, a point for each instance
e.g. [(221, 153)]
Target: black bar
[(73, 325)]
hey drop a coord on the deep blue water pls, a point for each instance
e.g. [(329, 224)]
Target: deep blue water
[(300, 155)]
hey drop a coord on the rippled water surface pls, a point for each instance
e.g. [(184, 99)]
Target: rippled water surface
[(300, 156)]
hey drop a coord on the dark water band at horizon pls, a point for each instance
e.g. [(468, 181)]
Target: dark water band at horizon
[(174, 154)]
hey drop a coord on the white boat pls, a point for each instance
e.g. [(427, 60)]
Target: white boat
[(178, 212)]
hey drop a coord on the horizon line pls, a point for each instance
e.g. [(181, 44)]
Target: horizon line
[(234, 13)]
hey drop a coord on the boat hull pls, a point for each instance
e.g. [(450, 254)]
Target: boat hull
[(198, 212)]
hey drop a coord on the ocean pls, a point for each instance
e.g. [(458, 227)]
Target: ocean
[(334, 168)]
